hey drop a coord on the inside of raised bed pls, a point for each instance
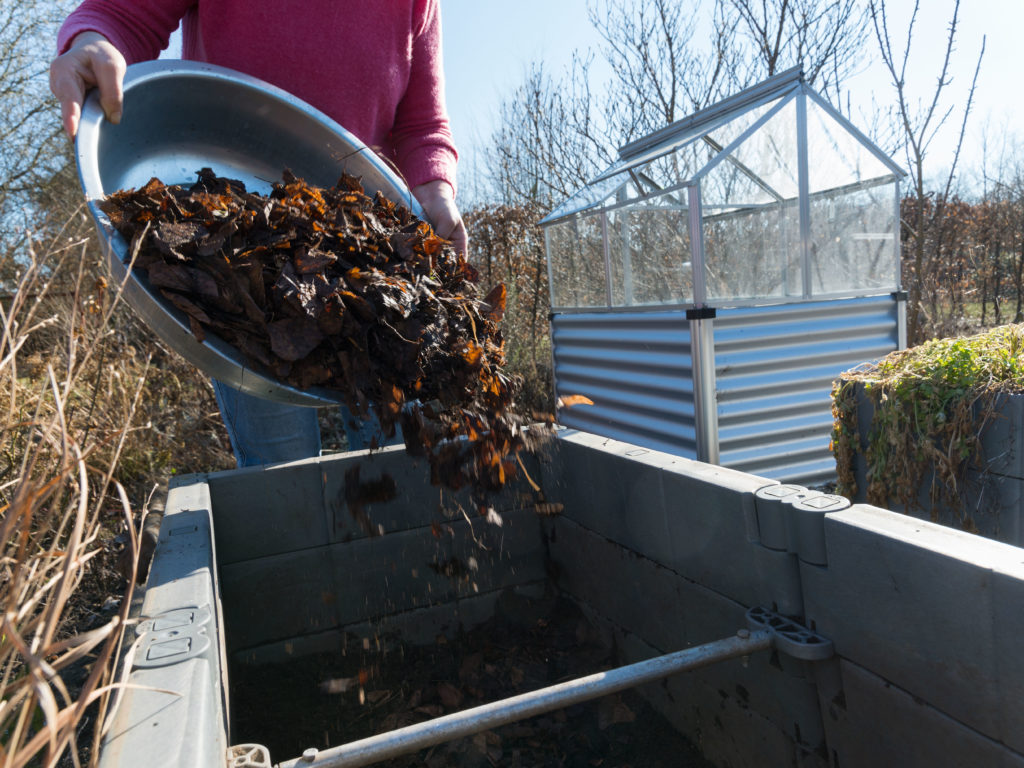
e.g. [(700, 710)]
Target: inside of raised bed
[(372, 686), (430, 613), (821, 633), (342, 625)]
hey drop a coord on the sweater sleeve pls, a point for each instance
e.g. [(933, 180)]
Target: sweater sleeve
[(139, 29), (421, 136)]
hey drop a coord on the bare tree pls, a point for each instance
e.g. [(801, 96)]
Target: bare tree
[(825, 38), (36, 155), (919, 123), (668, 59), (1002, 197), (661, 71), (549, 141)]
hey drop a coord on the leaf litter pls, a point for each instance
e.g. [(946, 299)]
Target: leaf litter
[(328, 699), (334, 288)]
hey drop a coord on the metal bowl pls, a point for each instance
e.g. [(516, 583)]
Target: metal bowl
[(180, 116)]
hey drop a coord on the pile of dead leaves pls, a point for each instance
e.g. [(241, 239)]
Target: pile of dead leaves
[(373, 687), (329, 287)]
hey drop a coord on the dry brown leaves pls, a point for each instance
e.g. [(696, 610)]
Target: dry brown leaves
[(329, 287)]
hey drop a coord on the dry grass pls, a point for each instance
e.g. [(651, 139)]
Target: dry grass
[(93, 414)]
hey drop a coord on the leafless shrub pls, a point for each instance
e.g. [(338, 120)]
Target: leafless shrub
[(917, 125), (508, 247)]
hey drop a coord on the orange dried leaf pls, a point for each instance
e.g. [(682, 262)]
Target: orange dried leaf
[(493, 307), (570, 400)]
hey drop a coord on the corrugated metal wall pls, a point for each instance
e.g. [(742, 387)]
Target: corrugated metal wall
[(636, 367), (774, 368)]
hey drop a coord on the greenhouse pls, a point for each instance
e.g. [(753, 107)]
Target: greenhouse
[(710, 285)]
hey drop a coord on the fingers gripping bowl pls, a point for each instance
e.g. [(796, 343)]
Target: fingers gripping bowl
[(182, 116)]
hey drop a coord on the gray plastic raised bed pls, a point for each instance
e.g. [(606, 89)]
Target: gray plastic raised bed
[(661, 553)]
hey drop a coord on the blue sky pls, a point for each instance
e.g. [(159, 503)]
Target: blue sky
[(489, 46)]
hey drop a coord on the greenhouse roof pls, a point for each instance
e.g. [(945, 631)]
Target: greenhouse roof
[(757, 132)]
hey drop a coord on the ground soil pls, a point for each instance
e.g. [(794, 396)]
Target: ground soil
[(332, 699)]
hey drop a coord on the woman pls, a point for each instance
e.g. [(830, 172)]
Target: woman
[(374, 66)]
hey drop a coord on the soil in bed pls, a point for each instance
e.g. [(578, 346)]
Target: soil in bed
[(371, 687)]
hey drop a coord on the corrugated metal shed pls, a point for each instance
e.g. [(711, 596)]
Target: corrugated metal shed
[(774, 368), (638, 370)]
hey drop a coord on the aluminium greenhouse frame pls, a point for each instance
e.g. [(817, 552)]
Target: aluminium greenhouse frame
[(787, 88), (730, 374)]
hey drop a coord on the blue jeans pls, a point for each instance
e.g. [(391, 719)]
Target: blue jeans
[(266, 432)]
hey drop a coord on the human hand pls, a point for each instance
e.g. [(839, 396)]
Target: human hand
[(90, 61), (438, 200)]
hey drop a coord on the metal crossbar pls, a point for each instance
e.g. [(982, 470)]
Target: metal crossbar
[(449, 727), (767, 630)]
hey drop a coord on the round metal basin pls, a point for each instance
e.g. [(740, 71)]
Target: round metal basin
[(180, 116)]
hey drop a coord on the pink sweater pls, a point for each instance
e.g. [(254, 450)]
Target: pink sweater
[(374, 66)]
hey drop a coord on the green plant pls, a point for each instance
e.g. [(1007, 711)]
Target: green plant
[(931, 404)]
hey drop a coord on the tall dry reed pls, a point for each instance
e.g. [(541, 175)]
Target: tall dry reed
[(68, 407)]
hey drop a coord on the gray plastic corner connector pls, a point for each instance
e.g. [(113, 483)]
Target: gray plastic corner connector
[(792, 518), (173, 636), (772, 503), (808, 525)]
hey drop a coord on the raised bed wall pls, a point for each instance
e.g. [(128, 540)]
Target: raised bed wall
[(926, 621), (993, 497), (298, 570)]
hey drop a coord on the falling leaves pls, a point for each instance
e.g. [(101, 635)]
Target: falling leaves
[(548, 508), (358, 493), (334, 288), (568, 401)]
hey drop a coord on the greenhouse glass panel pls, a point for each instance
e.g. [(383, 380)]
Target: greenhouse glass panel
[(689, 144), (753, 252), (751, 216), (596, 196), (853, 236), (669, 171), (771, 154), (836, 157), (576, 259), (767, 232), (649, 252)]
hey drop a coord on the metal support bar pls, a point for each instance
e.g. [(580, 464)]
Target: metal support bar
[(804, 182), (705, 397), (459, 724), (607, 260), (700, 291)]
